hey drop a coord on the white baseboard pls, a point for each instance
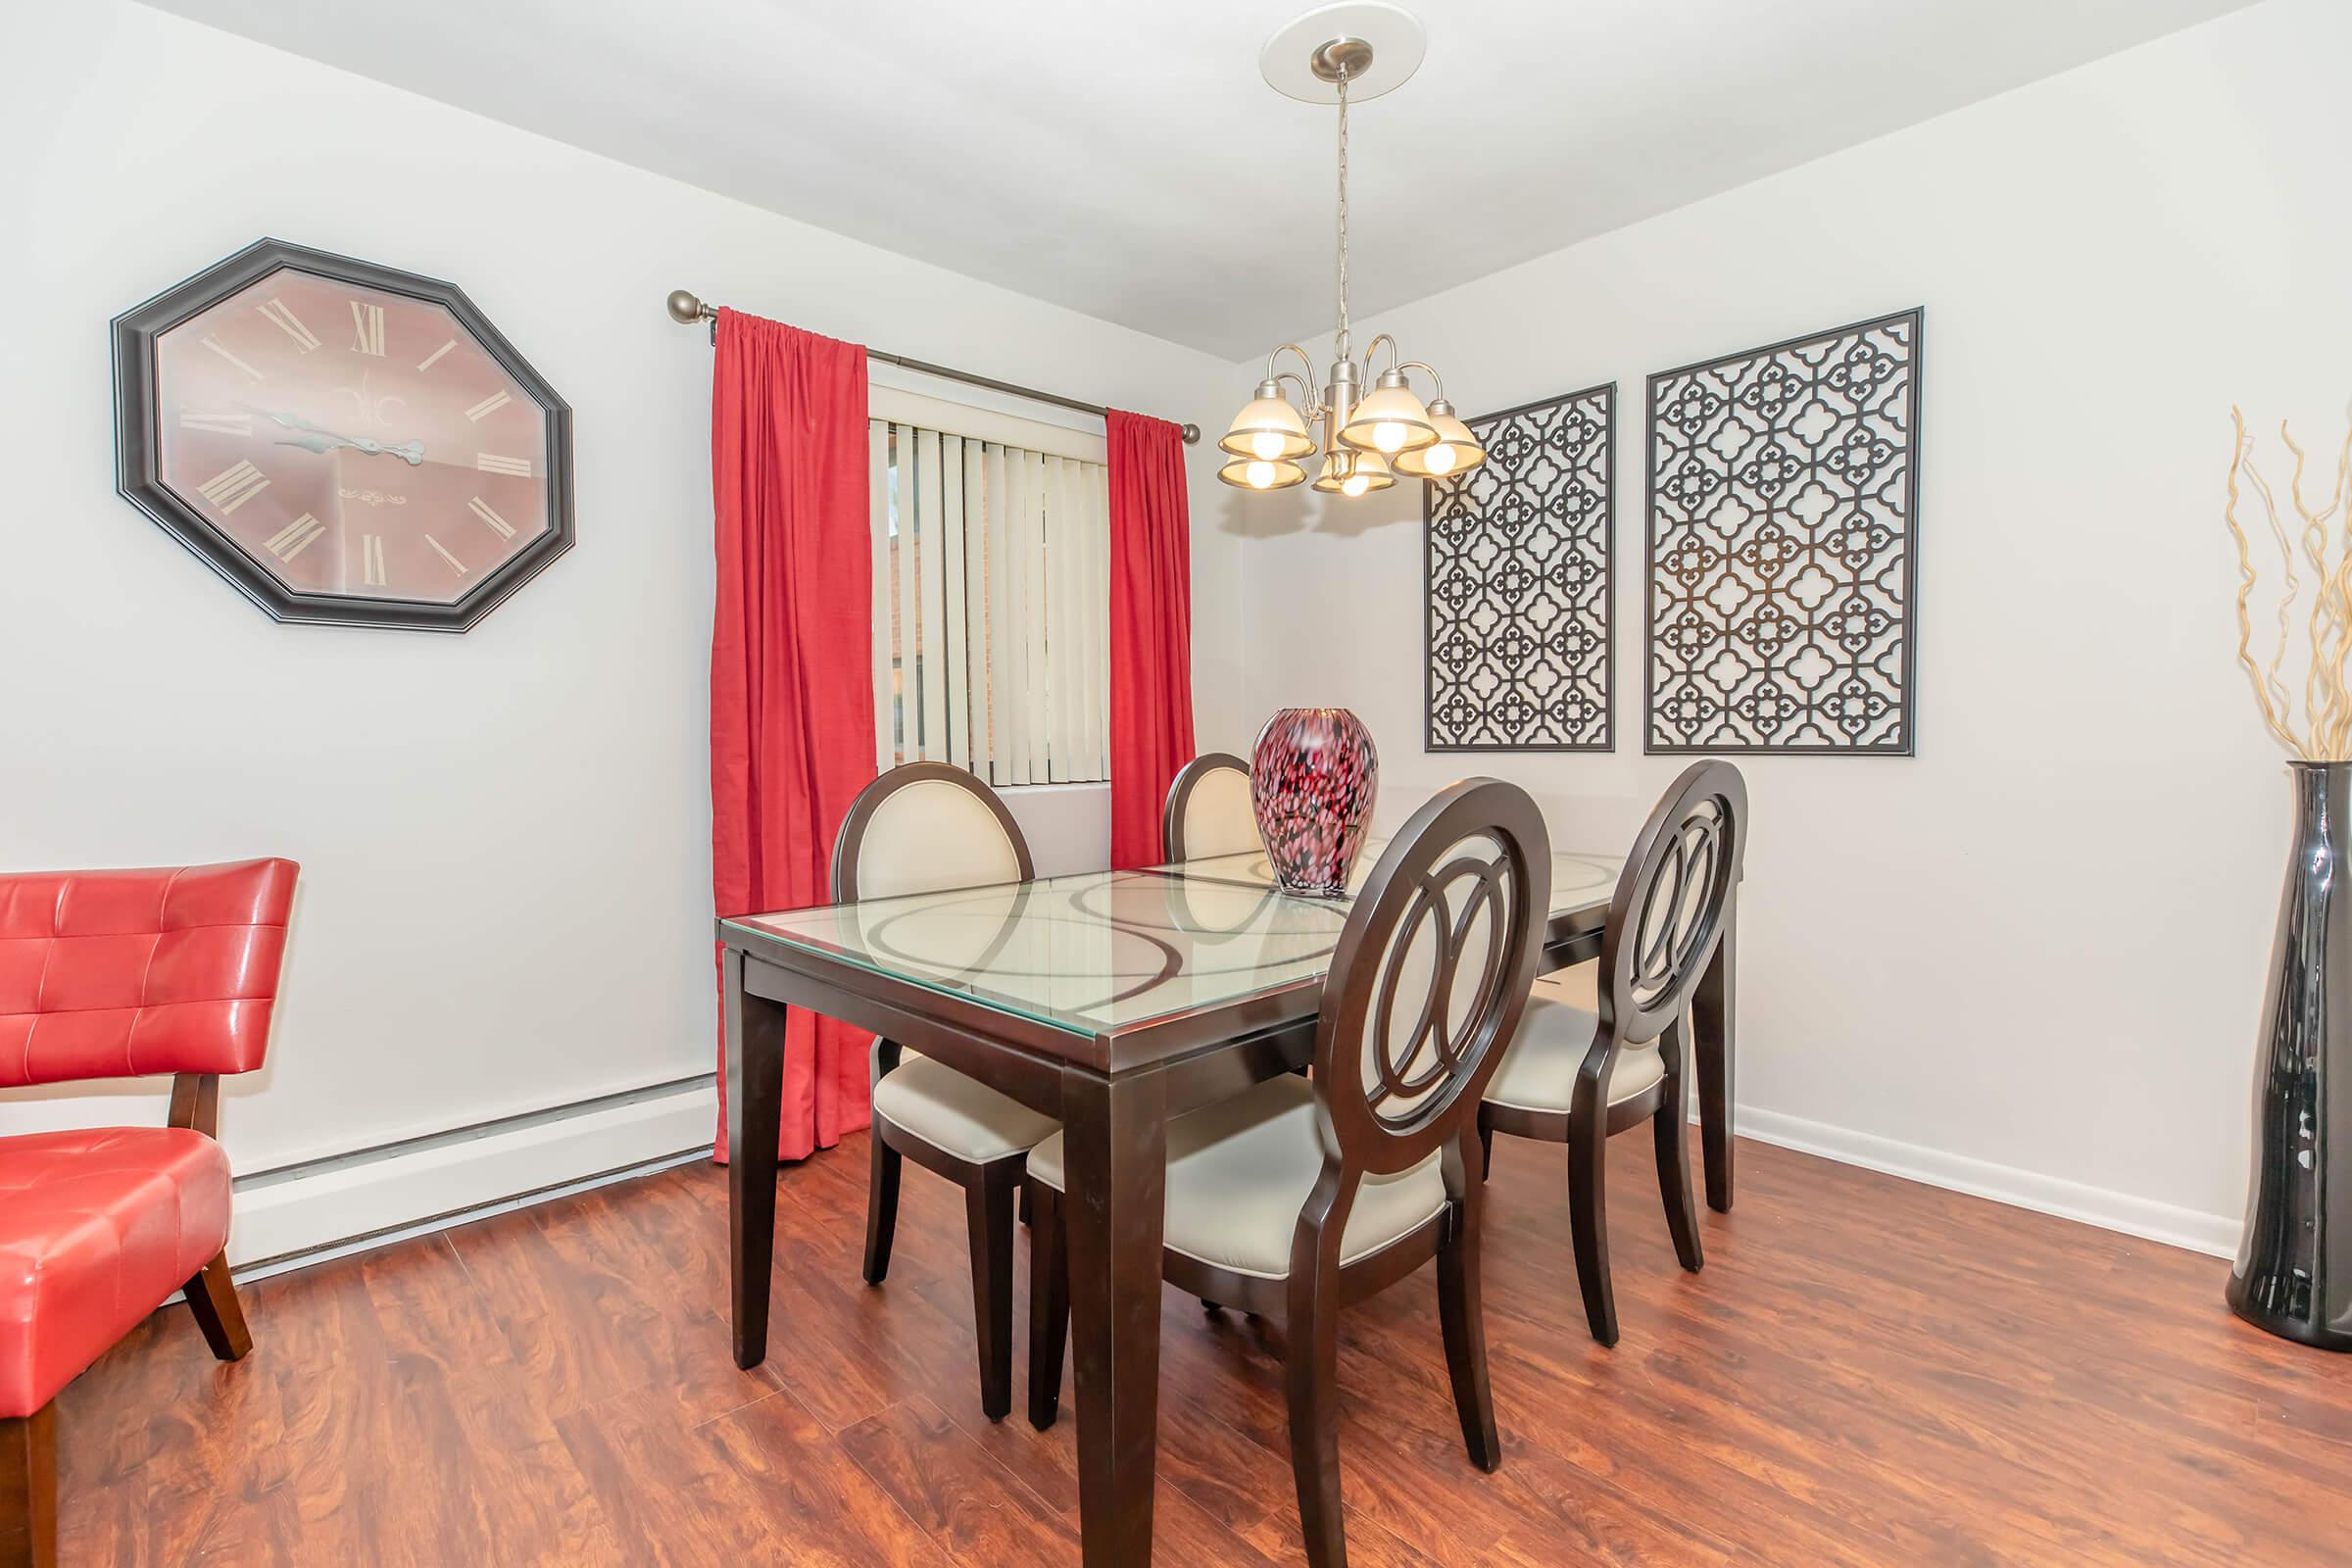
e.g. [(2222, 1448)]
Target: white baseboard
[(2216, 1234), (343, 1204)]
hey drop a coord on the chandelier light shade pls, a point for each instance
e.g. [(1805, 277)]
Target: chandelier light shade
[(1354, 473), (1367, 439), (1455, 451), (1391, 420), (1268, 429), (1262, 473)]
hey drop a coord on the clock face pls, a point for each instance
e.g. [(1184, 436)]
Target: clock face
[(351, 441), (345, 443)]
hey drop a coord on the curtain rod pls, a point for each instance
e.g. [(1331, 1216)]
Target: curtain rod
[(686, 309)]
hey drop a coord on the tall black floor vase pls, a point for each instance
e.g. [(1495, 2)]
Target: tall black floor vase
[(2294, 1274)]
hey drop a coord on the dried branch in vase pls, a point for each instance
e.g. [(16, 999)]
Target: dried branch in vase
[(2321, 730)]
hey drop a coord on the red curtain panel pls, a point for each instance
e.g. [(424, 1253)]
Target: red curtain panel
[(1151, 630), (792, 691)]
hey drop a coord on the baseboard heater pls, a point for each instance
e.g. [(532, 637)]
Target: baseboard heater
[(307, 1212)]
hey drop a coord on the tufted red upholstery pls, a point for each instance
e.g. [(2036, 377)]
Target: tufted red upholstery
[(119, 974), (96, 1229)]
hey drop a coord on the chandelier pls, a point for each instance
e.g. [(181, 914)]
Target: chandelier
[(1364, 439)]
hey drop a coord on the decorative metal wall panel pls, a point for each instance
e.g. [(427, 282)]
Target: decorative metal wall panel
[(1521, 656), (1784, 488)]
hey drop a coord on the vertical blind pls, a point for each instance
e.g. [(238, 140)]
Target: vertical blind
[(992, 607)]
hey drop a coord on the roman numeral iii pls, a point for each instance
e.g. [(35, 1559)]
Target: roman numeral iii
[(491, 462), (367, 328), (233, 486), (286, 322), (295, 537)]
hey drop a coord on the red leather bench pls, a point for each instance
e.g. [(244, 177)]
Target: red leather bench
[(119, 974)]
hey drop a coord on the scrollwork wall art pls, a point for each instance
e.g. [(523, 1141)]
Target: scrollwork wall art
[(1521, 653), (1783, 514)]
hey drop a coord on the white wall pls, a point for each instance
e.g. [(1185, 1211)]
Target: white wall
[(505, 836), (2030, 960)]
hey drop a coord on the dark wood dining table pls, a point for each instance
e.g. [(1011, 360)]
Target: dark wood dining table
[(1112, 1001)]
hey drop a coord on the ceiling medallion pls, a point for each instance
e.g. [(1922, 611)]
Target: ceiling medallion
[(1364, 439)]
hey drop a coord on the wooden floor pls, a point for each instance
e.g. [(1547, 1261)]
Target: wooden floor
[(1868, 1372)]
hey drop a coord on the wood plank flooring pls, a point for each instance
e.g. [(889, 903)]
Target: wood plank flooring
[(1868, 1372)]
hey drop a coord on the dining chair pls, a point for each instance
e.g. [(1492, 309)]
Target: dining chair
[(1209, 810), (925, 827), (1297, 1197), (1603, 1045)]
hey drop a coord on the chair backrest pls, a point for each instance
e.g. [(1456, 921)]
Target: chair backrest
[(1666, 916), (1432, 975), (123, 974), (1210, 810), (925, 827)]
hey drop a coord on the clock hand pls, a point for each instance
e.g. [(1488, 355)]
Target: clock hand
[(318, 438)]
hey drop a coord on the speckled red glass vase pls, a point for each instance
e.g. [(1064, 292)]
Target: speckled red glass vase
[(1312, 780)]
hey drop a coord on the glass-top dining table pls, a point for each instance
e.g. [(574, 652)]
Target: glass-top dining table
[(1111, 1000)]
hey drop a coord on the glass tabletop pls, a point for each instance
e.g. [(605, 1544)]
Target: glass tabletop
[(1102, 952)]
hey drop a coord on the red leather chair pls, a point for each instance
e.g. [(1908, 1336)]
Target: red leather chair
[(119, 974)]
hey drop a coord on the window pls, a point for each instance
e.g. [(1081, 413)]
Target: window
[(991, 587)]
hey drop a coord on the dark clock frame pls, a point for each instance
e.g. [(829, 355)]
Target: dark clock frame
[(138, 446)]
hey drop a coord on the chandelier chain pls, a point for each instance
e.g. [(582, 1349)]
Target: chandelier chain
[(1345, 347)]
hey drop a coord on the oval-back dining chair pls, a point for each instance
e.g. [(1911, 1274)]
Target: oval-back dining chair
[(1209, 810), (926, 827), (1602, 1047), (1295, 1197)]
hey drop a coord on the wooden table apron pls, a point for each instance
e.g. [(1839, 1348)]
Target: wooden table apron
[(1113, 1094)]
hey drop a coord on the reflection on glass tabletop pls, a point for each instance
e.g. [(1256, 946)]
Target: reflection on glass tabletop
[(1101, 952)]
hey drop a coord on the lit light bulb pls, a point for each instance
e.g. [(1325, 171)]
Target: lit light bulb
[(1357, 484), (1438, 458), (1389, 435), (1261, 474), (1266, 444)]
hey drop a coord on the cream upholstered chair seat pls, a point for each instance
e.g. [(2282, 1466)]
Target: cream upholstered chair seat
[(1240, 1171), (1538, 1071), (959, 1113)]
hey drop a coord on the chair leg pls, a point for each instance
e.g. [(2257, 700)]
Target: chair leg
[(1674, 1161), (1588, 1223), (1461, 1311), (213, 1298), (988, 1206), (1048, 1305), (881, 1207), (1311, 1374), (28, 1490)]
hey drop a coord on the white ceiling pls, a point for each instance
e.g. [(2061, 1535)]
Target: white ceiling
[(1128, 161)]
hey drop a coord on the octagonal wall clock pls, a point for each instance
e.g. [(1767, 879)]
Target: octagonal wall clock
[(345, 443)]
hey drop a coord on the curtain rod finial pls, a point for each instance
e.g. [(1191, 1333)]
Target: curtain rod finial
[(684, 308), (1191, 435)]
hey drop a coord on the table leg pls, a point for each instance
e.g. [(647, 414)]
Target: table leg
[(1115, 1211), (1712, 1012), (755, 1108)]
